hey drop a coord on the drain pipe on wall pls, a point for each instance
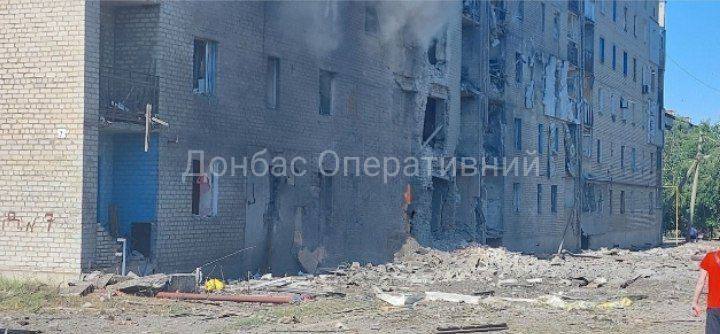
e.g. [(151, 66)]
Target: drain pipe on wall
[(123, 254)]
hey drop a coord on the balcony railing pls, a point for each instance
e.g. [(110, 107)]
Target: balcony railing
[(125, 94)]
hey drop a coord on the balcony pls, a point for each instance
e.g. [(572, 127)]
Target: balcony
[(124, 95)]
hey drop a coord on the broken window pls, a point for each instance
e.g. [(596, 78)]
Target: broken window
[(520, 10), (555, 139), (571, 25), (614, 10), (432, 123), (625, 18), (614, 57), (622, 201), (650, 203), (598, 151), (539, 198), (625, 63), (204, 66), (600, 200), (541, 138), (371, 20), (610, 202), (635, 25), (602, 50), (518, 67), (553, 198), (633, 159), (326, 197), (272, 82), (326, 92), (516, 196), (634, 69), (556, 25), (542, 16), (653, 78), (195, 206), (518, 134), (436, 50), (205, 189), (622, 157)]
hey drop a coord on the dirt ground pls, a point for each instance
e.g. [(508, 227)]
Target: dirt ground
[(581, 293)]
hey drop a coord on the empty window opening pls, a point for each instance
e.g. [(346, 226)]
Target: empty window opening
[(541, 139), (542, 16), (556, 25), (272, 82), (371, 20), (622, 201), (602, 50), (326, 92), (633, 159), (610, 202), (539, 198), (433, 132), (516, 196), (432, 52), (521, 10), (625, 63), (518, 134), (553, 198), (634, 69), (518, 67), (614, 57), (598, 151), (622, 157), (196, 187), (204, 66), (441, 205), (326, 197)]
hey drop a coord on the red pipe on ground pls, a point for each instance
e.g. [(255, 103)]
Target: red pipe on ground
[(272, 299)]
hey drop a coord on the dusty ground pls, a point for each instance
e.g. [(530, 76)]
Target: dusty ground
[(660, 298)]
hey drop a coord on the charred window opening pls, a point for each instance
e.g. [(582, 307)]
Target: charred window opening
[(372, 24), (432, 52), (326, 92), (433, 127)]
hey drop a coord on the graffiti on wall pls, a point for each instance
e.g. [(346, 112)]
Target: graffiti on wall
[(11, 219)]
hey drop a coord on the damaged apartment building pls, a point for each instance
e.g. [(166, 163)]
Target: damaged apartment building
[(105, 105)]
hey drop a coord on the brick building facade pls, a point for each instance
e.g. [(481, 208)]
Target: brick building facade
[(82, 165)]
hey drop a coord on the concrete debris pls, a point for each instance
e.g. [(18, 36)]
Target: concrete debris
[(400, 299), (452, 297), (148, 285), (77, 289)]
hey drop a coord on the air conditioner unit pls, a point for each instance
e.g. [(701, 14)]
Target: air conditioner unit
[(645, 88)]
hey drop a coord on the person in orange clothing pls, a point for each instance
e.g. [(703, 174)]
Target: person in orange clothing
[(710, 273)]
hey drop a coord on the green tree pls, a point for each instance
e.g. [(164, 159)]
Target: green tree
[(681, 147)]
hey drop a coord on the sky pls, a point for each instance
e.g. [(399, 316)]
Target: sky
[(692, 74)]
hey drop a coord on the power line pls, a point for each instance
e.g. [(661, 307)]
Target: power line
[(693, 76)]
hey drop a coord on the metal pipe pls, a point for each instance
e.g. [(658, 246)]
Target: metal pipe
[(272, 299)]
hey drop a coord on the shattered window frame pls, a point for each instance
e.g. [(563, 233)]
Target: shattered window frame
[(553, 198), (326, 81), (204, 65)]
